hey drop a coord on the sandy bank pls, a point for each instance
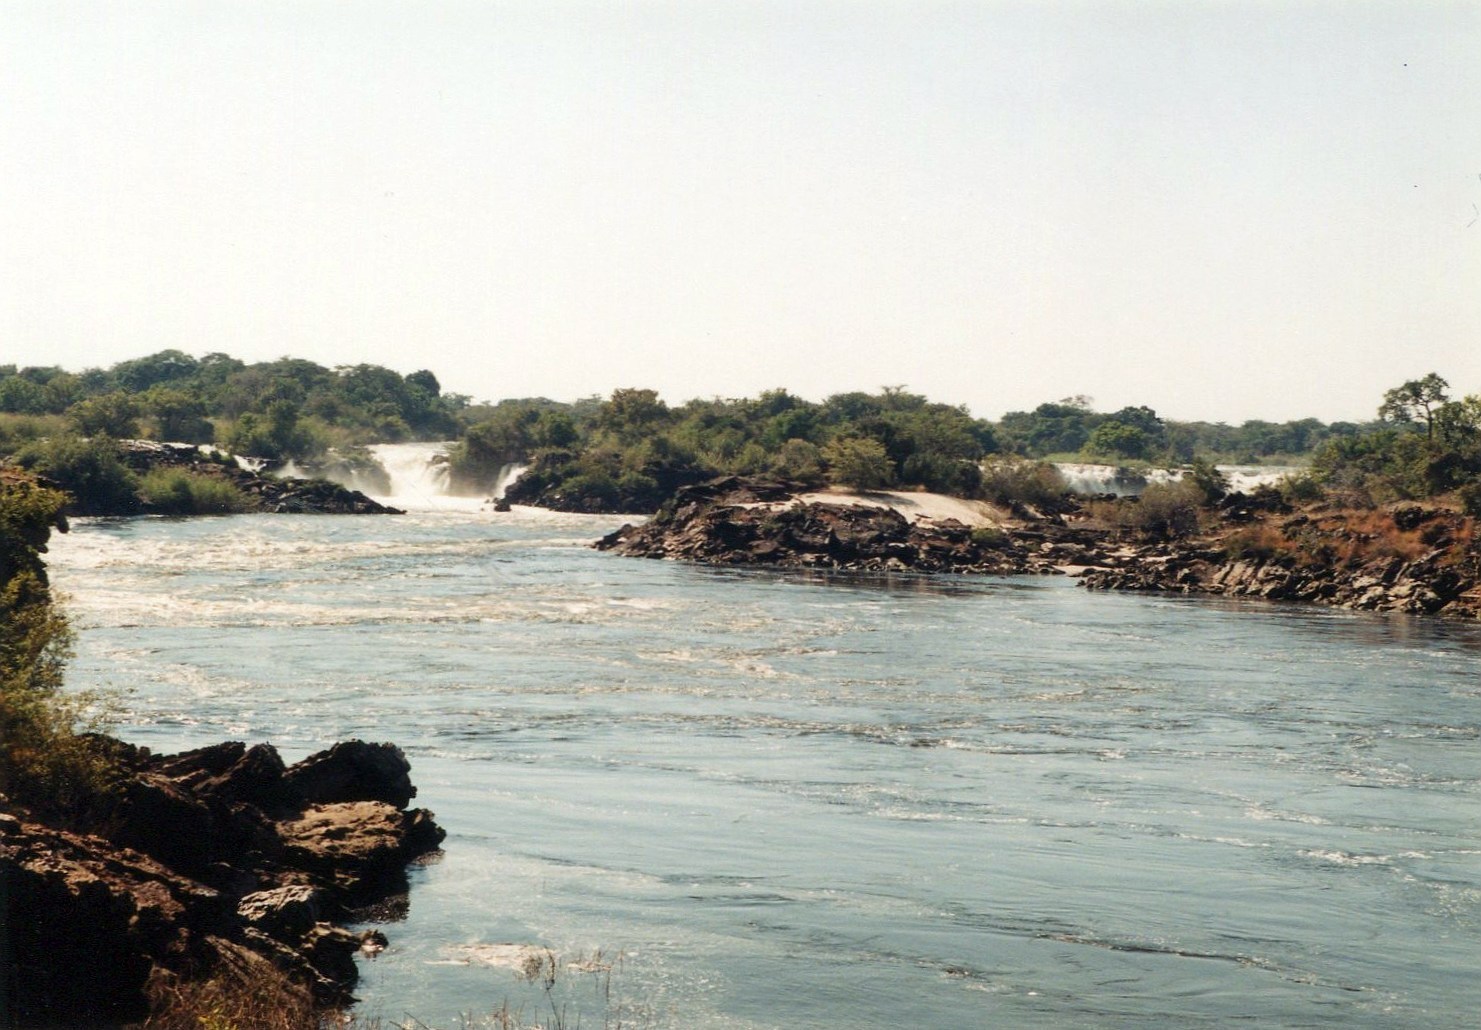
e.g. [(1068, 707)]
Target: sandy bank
[(915, 505)]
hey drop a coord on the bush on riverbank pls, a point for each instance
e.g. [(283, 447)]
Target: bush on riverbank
[(91, 469), (44, 761), (1014, 482), (176, 491), (1163, 511), (1429, 446)]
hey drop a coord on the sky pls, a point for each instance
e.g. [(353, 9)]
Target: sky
[(1223, 211)]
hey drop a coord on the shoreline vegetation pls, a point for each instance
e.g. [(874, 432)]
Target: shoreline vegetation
[(217, 878)]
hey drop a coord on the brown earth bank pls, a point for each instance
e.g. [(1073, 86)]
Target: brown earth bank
[(1403, 558), (219, 864)]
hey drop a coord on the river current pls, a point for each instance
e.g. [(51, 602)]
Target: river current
[(722, 799)]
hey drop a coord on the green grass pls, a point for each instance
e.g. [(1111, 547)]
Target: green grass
[(179, 492)]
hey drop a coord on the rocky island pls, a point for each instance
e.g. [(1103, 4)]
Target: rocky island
[(737, 521), (1401, 557), (263, 493)]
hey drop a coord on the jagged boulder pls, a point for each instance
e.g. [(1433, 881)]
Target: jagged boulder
[(86, 922), (354, 771), (202, 864)]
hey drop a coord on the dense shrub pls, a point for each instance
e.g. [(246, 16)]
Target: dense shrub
[(1258, 542), (44, 762), (174, 491), (858, 462), (90, 469), (1211, 483), (16, 431), (1299, 488), (1469, 496), (1164, 511), (1014, 481)]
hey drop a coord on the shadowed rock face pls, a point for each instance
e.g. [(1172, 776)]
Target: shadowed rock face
[(203, 863)]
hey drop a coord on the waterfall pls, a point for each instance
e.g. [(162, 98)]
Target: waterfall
[(416, 476), (506, 477), (419, 476), (1245, 478), (415, 469), (1094, 480)]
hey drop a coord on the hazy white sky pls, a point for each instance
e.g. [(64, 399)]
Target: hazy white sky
[(1221, 210)]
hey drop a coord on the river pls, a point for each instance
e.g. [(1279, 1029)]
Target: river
[(721, 799)]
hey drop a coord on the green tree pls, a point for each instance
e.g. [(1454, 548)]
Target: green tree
[(140, 374), (1414, 401), (20, 396), (178, 415), (114, 414), (859, 462), (1117, 440), (91, 470), (629, 414)]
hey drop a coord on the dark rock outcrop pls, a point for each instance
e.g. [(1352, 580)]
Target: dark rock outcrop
[(198, 865), (1407, 558), (735, 521)]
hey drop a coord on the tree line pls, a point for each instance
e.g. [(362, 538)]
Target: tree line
[(603, 451)]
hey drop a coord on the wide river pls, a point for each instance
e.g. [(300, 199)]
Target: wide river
[(729, 799)]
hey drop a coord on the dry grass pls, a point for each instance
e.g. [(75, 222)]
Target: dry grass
[(1259, 542), (253, 995), (1372, 534), (250, 993)]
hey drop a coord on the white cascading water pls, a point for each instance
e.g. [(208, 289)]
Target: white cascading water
[(1094, 480), (506, 477), (420, 478)]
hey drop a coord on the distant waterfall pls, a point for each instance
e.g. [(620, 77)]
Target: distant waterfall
[(506, 477), (1095, 480), (416, 469), (419, 475)]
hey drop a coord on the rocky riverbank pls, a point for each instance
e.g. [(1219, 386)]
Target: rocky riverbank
[(219, 864), (1401, 558), (267, 493)]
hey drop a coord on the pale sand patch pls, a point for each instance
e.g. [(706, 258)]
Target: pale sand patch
[(918, 505)]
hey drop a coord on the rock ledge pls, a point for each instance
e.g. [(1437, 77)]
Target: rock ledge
[(206, 864)]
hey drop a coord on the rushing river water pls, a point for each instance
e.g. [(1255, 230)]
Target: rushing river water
[(750, 799)]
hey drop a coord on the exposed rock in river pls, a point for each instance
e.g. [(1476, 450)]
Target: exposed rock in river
[(1404, 558), (209, 863), (734, 521)]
